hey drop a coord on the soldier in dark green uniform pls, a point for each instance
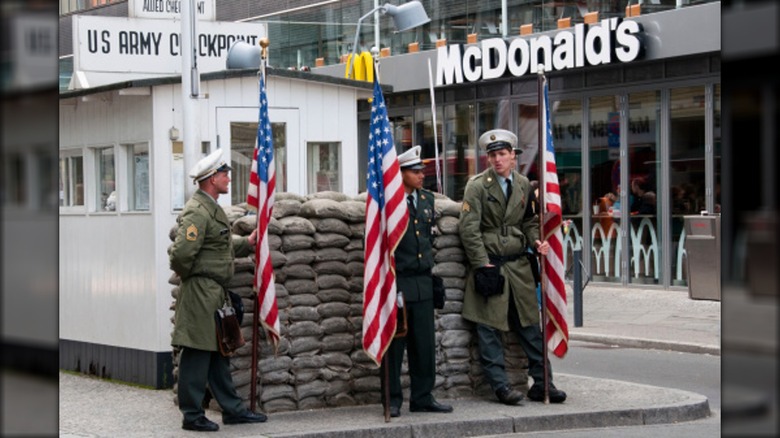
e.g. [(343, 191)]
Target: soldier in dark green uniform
[(413, 264), (496, 226), (202, 255)]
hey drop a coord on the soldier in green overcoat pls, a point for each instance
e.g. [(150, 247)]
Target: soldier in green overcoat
[(496, 226), (413, 265), (202, 255)]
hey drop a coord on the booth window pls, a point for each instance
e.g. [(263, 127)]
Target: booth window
[(243, 138), (180, 176), (106, 196), (137, 176), (71, 183), (323, 166)]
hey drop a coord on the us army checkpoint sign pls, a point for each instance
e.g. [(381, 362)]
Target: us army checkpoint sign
[(136, 45)]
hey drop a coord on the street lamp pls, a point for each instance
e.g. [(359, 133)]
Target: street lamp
[(405, 17)]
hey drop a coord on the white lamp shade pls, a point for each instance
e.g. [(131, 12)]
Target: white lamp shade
[(408, 15), (243, 55)]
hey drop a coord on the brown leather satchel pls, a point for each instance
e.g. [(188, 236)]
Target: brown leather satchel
[(229, 337)]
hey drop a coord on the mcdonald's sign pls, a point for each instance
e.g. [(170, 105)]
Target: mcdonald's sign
[(362, 66)]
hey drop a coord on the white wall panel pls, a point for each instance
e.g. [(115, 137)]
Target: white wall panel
[(107, 280)]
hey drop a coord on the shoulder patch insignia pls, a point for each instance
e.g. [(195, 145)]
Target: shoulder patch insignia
[(192, 233), (466, 206)]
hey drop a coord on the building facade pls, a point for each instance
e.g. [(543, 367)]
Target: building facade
[(647, 121), (651, 122), (635, 106)]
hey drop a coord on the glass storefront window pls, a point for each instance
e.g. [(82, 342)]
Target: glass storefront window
[(566, 117), (644, 166), (423, 133), (460, 148), (604, 150), (566, 120), (528, 138), (323, 167), (686, 168), (402, 132)]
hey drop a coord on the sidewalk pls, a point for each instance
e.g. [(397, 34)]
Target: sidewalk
[(647, 318), (642, 318)]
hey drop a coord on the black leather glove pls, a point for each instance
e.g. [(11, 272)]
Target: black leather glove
[(439, 295), (488, 281)]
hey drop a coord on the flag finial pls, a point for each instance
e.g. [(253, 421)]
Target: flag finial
[(264, 43)]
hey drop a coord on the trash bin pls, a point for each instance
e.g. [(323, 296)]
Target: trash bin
[(702, 246)]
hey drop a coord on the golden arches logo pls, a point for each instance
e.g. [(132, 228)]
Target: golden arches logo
[(362, 66)]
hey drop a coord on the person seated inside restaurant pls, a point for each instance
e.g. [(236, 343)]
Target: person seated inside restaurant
[(644, 199)]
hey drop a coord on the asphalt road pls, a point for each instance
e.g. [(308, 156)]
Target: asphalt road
[(699, 373)]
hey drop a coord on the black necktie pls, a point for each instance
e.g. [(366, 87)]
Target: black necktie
[(412, 209), (508, 189)]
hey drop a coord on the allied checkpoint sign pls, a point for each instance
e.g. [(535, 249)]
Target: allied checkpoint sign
[(114, 49), (171, 9)]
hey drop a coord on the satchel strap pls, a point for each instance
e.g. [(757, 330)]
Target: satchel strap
[(228, 302)]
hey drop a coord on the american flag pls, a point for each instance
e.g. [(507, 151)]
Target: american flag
[(557, 331), (386, 220), (260, 197)]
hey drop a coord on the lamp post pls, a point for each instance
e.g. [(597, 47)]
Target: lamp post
[(190, 90), (405, 17)]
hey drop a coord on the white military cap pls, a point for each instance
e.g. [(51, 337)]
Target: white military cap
[(496, 139), (411, 159), (208, 166)]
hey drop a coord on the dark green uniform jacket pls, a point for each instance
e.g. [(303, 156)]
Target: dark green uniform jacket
[(414, 254), (202, 255), (489, 226)]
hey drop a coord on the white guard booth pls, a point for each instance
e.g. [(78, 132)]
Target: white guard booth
[(122, 185)]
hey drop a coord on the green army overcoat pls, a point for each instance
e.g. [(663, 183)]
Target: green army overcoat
[(488, 225), (414, 254), (202, 255)]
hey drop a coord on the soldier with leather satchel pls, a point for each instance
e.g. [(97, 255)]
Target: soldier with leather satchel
[(206, 325)]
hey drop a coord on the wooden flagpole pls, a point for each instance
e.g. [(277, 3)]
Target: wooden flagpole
[(385, 379), (386, 386), (542, 125), (256, 314)]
